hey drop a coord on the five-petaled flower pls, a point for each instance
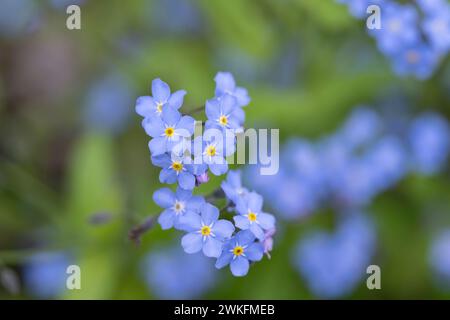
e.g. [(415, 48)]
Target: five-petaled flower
[(251, 216), (206, 232), (175, 168), (176, 205), (168, 130), (222, 113), (148, 106), (238, 251)]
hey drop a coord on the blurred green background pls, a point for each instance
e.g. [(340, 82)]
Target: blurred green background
[(306, 64)]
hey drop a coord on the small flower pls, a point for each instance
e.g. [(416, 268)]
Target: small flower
[(232, 186), (168, 130), (251, 216), (206, 232), (175, 169), (212, 148), (225, 84), (238, 251), (221, 113), (176, 205), (148, 106)]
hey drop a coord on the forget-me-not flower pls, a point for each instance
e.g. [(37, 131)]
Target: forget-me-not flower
[(175, 206), (232, 186), (221, 113), (206, 231), (175, 168)]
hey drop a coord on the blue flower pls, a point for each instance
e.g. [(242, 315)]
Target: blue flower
[(176, 205), (168, 130), (225, 85), (399, 28), (172, 274), (251, 217), (436, 26), (175, 169), (333, 264), (432, 6), (148, 106), (429, 138), (45, 274), (239, 251), (206, 232), (232, 186), (212, 148), (222, 113)]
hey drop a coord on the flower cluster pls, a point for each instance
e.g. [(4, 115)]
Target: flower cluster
[(349, 168), (414, 36), (186, 160)]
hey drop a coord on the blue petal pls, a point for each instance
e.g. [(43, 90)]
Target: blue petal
[(245, 237), (255, 202), (223, 229), (234, 178), (212, 109), (257, 231), (176, 99), (239, 267), (157, 146), (241, 205), (195, 203), (162, 160), (224, 83), (186, 180), (164, 198), (266, 220), (183, 194), (241, 222), (218, 169), (170, 116), (227, 104), (242, 96), (192, 242), (212, 247), (254, 252), (239, 113), (166, 219), (168, 176), (210, 213), (160, 90), (224, 259), (153, 126), (145, 106), (185, 126), (191, 221)]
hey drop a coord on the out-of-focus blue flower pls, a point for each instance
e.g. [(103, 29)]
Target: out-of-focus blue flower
[(429, 138), (45, 275), (147, 106), (172, 274), (432, 6), (206, 232), (238, 251), (168, 130), (439, 256), (232, 186), (221, 113), (251, 217), (399, 27), (108, 104), (175, 169), (176, 205), (437, 28), (333, 264), (212, 148), (225, 84), (362, 126), (17, 17), (418, 60)]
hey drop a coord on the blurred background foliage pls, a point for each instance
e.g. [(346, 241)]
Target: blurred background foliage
[(75, 175)]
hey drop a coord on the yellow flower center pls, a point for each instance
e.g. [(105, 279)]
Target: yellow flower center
[(238, 250), (177, 166), (169, 132), (252, 216), (223, 120), (159, 106), (211, 151), (206, 230)]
